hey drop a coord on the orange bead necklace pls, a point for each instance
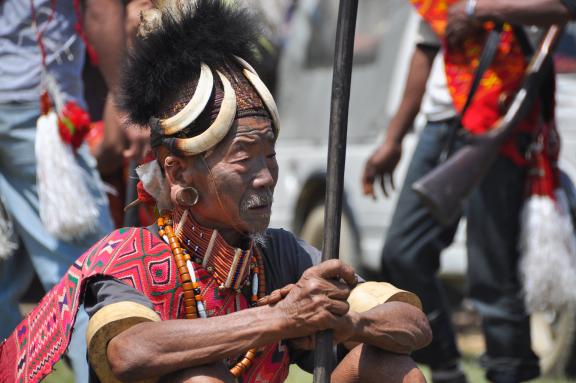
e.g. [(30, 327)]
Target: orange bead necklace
[(193, 300)]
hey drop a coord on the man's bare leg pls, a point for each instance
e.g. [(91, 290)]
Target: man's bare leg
[(367, 364), (210, 373)]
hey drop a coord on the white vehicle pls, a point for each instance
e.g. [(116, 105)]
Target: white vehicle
[(384, 42)]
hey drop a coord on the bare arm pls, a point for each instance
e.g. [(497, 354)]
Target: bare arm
[(530, 12), (383, 161), (105, 29), (104, 23), (393, 326), (420, 67), (155, 349)]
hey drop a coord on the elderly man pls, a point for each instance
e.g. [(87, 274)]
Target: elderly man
[(252, 294)]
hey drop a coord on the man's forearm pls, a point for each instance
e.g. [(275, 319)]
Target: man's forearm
[(530, 12), (414, 90), (155, 349), (104, 23), (394, 326)]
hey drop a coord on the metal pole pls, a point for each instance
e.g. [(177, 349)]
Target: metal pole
[(324, 360)]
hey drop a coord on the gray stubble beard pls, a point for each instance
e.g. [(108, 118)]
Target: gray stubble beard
[(257, 199)]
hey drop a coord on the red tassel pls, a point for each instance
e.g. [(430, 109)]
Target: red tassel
[(143, 195), (73, 124)]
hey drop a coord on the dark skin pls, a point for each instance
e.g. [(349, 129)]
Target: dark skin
[(242, 166), (182, 350), (527, 12), (104, 25), (382, 163), (108, 26)]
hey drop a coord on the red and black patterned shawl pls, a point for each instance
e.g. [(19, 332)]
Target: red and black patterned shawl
[(139, 259)]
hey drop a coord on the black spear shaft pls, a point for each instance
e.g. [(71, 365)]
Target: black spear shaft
[(324, 360)]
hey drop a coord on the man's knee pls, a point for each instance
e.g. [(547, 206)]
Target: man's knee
[(208, 373), (368, 364)]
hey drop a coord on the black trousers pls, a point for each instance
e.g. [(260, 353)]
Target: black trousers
[(411, 259)]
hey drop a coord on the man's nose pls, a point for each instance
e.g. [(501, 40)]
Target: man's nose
[(264, 178)]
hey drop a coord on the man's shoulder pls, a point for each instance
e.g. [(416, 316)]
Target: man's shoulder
[(123, 243), (287, 241), (130, 233), (289, 246), (280, 234)]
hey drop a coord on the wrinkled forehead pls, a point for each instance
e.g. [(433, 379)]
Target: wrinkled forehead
[(245, 133), (250, 130), (253, 128)]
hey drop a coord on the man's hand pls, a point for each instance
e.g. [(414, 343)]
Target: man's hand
[(276, 295), (461, 26), (380, 166), (318, 300), (346, 328)]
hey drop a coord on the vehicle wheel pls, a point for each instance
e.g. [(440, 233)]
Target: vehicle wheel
[(553, 338), (313, 232)]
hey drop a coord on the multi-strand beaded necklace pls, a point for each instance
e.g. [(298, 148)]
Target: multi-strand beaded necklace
[(207, 248)]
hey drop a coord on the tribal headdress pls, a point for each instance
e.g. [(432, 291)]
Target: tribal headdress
[(188, 78)]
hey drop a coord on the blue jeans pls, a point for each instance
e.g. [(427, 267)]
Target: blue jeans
[(41, 253), (411, 259)]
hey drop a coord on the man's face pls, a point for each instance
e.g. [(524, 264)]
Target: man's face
[(236, 179)]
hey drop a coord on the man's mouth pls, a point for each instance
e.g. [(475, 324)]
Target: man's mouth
[(261, 203), (265, 206), (261, 210)]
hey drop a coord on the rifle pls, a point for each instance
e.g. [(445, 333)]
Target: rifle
[(324, 358), (445, 189)]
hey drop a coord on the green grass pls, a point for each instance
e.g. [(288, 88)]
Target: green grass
[(62, 374), (473, 371)]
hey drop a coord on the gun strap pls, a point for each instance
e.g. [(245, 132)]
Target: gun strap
[(486, 58), (548, 88)]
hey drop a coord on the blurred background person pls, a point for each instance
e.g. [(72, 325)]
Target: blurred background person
[(410, 257), (42, 45)]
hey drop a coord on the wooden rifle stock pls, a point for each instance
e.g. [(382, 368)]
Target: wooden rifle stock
[(445, 189)]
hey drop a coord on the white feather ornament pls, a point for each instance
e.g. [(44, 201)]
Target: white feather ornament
[(548, 248), (7, 239)]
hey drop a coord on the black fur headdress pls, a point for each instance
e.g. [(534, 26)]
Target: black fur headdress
[(207, 31)]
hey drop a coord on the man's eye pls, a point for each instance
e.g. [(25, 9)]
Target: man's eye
[(272, 155), (241, 160)]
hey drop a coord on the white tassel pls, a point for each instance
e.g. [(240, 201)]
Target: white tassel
[(67, 209), (7, 240), (548, 248)]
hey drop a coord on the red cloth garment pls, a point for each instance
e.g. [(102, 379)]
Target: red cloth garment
[(139, 259), (500, 81), (543, 172)]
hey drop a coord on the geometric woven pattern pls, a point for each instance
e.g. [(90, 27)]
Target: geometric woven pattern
[(137, 258)]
